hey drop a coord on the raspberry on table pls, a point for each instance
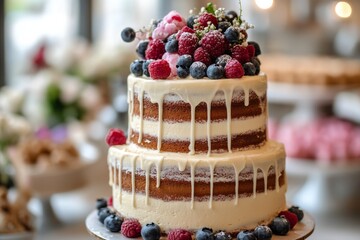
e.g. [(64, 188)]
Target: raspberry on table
[(155, 49), (251, 50), (291, 217), (131, 228), (159, 69), (214, 43), (240, 53), (179, 234), (202, 55), (187, 43), (234, 69)]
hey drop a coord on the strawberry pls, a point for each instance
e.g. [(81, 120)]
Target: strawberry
[(159, 69), (115, 136), (214, 43), (155, 49), (131, 228), (203, 56), (233, 69)]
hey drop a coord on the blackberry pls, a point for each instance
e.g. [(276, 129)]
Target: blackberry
[(204, 234), (198, 70), (150, 231), (215, 71), (246, 235), (141, 48), (182, 72), (113, 223), (256, 46), (145, 67), (136, 68), (232, 35), (249, 68), (185, 61), (263, 233), (128, 34), (280, 226), (172, 46)]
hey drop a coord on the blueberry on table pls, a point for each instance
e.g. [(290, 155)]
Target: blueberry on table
[(104, 213), (246, 235), (151, 231), (204, 234), (280, 226), (101, 203), (263, 233), (222, 236), (113, 223)]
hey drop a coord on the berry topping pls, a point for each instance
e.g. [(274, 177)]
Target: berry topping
[(159, 69), (201, 55), (179, 234), (187, 43), (110, 202), (297, 211), (141, 48), (222, 236), (104, 213), (205, 20), (155, 49), (291, 217), (246, 235), (183, 30), (223, 59), (263, 233), (257, 64), (232, 35), (101, 203), (170, 24), (230, 16), (136, 68), (280, 226), (185, 61), (131, 228), (256, 46), (214, 43), (198, 70), (251, 51), (191, 21), (128, 34), (115, 136), (172, 46), (204, 234), (150, 231), (240, 53), (182, 72), (234, 69), (215, 71), (113, 223), (249, 68), (223, 26), (146, 67)]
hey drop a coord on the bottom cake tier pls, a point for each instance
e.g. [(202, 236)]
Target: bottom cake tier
[(226, 191)]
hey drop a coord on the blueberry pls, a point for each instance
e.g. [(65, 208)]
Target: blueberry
[(232, 35), (223, 26), (128, 34), (182, 72), (145, 67), (222, 236), (297, 211), (141, 48), (171, 37), (113, 223), (223, 59), (172, 46), (256, 62), (230, 16), (204, 234), (246, 235), (263, 233), (280, 226), (185, 61), (215, 71), (249, 68), (151, 231), (136, 68), (198, 70), (101, 203), (104, 213), (191, 21), (256, 46)]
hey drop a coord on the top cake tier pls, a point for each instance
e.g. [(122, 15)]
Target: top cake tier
[(198, 116)]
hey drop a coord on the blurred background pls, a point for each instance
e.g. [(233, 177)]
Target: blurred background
[(63, 70)]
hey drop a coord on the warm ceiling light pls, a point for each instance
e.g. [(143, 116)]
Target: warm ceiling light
[(264, 4), (343, 9)]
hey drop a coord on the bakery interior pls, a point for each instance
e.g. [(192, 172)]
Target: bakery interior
[(63, 71)]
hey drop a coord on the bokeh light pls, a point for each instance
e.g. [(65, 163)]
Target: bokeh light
[(343, 9), (264, 4)]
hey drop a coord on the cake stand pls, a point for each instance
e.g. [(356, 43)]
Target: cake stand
[(301, 231)]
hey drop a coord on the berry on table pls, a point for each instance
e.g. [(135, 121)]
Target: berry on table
[(185, 61), (146, 67), (222, 236), (159, 69), (104, 213), (110, 201), (214, 43), (141, 48), (198, 70), (204, 234), (201, 55), (249, 68), (182, 72), (113, 223), (101, 203), (246, 235), (131, 228), (240, 53), (280, 226), (223, 59), (297, 211), (172, 46), (136, 68), (215, 71), (115, 136), (128, 34), (263, 233), (291, 217), (234, 69), (232, 35), (256, 46), (179, 234), (155, 49), (187, 43), (150, 231)]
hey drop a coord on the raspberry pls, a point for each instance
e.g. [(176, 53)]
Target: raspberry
[(214, 43), (240, 53), (115, 137), (155, 49), (291, 217), (251, 51), (206, 19), (131, 228), (184, 29), (159, 69), (110, 201), (179, 234), (203, 56), (187, 43), (233, 69)]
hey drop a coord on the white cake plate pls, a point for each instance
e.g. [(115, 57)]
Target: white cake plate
[(328, 187), (301, 231)]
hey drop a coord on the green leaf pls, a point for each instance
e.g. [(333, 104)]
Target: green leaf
[(210, 8)]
